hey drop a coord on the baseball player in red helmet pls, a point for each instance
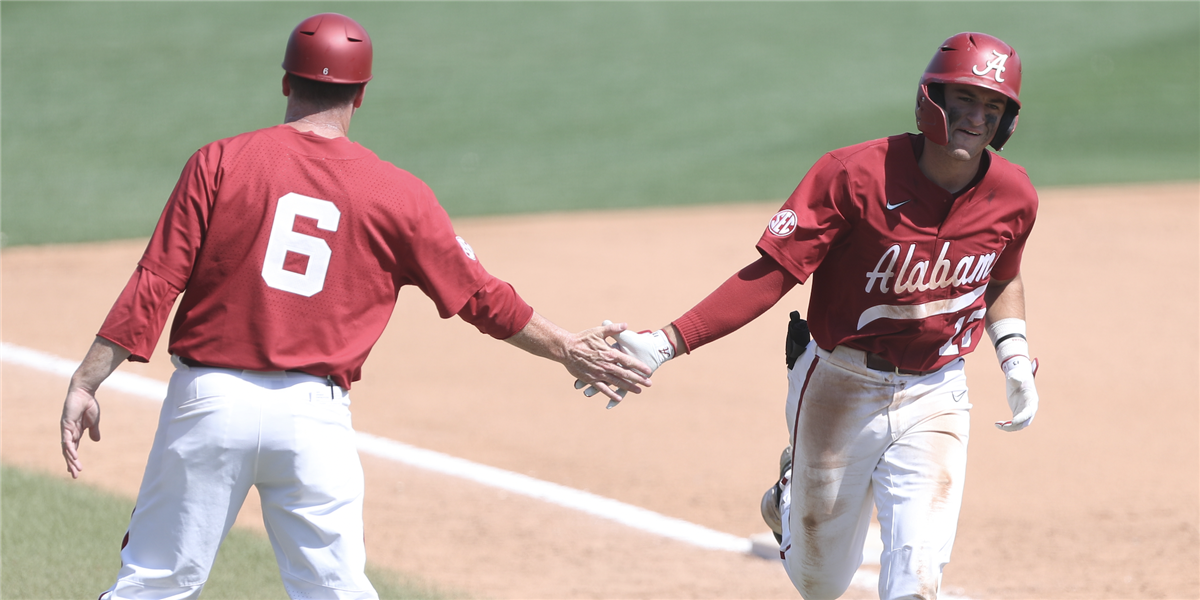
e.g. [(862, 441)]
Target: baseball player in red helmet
[(289, 246), (912, 245)]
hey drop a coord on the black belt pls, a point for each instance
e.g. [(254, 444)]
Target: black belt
[(876, 362), (195, 364)]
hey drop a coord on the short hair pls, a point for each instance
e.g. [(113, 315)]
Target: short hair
[(323, 95)]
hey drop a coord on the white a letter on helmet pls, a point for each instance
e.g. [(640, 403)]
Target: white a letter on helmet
[(996, 63)]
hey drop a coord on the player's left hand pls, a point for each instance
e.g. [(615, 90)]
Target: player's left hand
[(81, 412), (1022, 394)]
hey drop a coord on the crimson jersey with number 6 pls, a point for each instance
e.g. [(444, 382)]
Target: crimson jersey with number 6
[(899, 265), (306, 243)]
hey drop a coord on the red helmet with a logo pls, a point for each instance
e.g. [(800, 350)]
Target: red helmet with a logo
[(972, 59), (329, 47)]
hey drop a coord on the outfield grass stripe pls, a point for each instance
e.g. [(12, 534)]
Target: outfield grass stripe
[(599, 506), (517, 107)]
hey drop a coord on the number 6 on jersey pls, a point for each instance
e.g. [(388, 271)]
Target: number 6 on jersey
[(284, 239)]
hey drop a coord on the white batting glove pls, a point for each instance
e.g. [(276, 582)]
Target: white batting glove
[(652, 348), (1022, 395), (1012, 350)]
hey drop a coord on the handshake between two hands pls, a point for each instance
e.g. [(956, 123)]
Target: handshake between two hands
[(651, 348)]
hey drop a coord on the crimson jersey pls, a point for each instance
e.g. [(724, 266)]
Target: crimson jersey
[(292, 249), (899, 266)]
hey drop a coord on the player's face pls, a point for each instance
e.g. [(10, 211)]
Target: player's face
[(973, 114)]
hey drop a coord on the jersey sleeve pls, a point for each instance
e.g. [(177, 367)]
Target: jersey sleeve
[(137, 318), (815, 217), (438, 261), (1008, 264), (497, 310), (171, 253)]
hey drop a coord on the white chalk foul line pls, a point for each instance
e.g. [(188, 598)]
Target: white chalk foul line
[(626, 514), (151, 389), (605, 508)]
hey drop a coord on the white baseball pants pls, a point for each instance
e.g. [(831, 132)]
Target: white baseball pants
[(221, 431), (861, 436)]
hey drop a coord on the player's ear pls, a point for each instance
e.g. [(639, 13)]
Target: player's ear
[(358, 98), (287, 87)]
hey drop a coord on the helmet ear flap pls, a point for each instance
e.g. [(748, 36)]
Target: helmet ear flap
[(1006, 127), (931, 117)]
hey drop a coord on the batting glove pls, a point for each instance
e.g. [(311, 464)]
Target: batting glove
[(652, 348), (1012, 350), (1022, 395)]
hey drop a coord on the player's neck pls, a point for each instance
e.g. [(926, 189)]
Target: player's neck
[(332, 123), (948, 172)]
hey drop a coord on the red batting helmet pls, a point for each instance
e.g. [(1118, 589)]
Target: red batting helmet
[(329, 47), (972, 59)]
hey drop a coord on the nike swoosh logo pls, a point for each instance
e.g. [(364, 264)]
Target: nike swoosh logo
[(891, 206)]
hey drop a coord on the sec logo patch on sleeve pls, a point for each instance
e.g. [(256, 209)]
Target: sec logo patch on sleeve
[(470, 252), (783, 223)]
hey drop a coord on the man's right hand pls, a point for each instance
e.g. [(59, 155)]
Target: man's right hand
[(587, 355), (650, 347)]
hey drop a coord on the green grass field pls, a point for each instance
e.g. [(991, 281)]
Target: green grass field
[(62, 539), (513, 107), (534, 106)]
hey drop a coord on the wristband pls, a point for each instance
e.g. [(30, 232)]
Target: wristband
[(1008, 335)]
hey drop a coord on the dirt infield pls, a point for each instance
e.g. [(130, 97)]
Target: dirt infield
[(1099, 499)]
